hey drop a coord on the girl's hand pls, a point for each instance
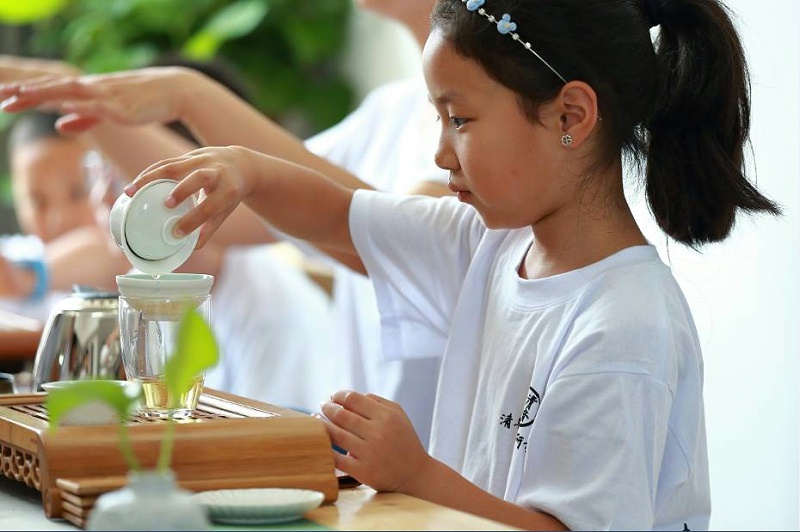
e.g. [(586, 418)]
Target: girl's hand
[(148, 95), (219, 175), (383, 450)]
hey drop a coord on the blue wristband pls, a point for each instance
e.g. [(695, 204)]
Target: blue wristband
[(41, 276)]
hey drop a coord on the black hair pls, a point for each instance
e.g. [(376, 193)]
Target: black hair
[(30, 127), (680, 106), (217, 69)]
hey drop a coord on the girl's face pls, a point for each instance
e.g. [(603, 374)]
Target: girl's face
[(50, 192), (499, 161)]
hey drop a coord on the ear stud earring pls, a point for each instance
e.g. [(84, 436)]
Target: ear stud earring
[(566, 140)]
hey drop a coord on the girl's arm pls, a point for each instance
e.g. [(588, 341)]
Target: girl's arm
[(296, 200), (440, 484)]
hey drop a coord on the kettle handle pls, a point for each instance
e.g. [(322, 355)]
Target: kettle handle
[(47, 352)]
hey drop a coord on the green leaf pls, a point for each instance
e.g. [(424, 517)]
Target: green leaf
[(237, 20), (196, 351), (26, 11), (231, 22), (202, 46), (61, 400)]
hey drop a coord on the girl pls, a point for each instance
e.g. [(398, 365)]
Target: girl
[(570, 391)]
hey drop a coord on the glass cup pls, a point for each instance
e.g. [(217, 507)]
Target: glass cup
[(150, 309)]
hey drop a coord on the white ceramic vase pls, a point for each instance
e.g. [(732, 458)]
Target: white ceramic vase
[(151, 501)]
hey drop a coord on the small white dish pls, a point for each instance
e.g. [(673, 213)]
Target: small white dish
[(253, 506)]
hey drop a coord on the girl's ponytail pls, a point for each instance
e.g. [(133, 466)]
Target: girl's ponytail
[(700, 124)]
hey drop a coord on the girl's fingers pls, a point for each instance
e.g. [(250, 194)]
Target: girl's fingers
[(368, 406), (60, 88), (26, 95), (13, 88), (343, 462), (344, 439), (346, 419), (88, 108), (72, 123), (203, 174), (208, 214), (174, 168)]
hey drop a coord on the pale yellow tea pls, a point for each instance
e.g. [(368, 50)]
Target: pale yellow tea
[(157, 401)]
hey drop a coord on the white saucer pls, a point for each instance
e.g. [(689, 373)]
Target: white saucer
[(258, 505)]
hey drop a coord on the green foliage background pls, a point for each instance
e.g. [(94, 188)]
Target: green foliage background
[(287, 50)]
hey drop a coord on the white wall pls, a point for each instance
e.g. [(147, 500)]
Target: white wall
[(744, 293), (379, 50), (745, 298)]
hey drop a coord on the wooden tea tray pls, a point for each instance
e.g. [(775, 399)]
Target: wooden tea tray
[(228, 442)]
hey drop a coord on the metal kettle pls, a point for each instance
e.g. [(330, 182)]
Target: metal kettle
[(80, 339)]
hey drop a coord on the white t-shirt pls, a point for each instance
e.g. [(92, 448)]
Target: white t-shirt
[(579, 395), (388, 142)]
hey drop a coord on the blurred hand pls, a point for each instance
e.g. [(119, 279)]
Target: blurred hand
[(15, 68), (148, 95), (383, 450), (7, 285)]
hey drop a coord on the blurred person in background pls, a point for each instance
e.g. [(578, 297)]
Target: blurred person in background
[(387, 143), (60, 244)]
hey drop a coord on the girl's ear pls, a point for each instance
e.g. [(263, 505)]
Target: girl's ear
[(579, 113)]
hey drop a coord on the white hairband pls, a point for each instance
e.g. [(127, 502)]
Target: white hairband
[(507, 27)]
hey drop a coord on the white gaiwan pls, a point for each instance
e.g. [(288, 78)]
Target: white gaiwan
[(142, 227)]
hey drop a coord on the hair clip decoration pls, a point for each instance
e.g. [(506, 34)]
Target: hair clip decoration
[(507, 27), (504, 25)]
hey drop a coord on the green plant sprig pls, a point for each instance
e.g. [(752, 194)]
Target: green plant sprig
[(195, 351)]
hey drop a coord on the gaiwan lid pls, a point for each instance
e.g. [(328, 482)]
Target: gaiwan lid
[(142, 227)]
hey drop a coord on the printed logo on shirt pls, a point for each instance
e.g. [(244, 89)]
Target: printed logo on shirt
[(525, 419)]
